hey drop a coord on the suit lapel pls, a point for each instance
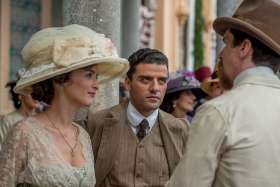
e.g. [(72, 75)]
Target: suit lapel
[(109, 142), (171, 150)]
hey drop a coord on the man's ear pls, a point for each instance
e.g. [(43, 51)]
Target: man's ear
[(246, 48), (127, 84)]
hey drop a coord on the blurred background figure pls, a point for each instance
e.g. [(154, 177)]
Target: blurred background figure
[(225, 82), (212, 87), (213, 84), (24, 107), (209, 83), (181, 96), (203, 73), (218, 84)]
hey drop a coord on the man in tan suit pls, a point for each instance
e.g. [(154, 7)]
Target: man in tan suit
[(135, 143), (234, 139)]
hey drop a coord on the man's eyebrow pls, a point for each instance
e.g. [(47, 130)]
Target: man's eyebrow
[(145, 76), (163, 78), (151, 77)]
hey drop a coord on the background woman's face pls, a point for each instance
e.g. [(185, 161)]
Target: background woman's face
[(216, 90), (186, 101)]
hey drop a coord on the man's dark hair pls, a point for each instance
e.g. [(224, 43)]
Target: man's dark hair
[(145, 56), (262, 55)]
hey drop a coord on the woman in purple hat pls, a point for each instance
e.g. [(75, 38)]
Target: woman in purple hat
[(181, 95)]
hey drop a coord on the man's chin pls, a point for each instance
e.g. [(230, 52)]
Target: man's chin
[(152, 106)]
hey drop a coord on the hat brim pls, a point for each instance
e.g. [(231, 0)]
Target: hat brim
[(223, 23), (197, 91), (180, 89), (108, 68)]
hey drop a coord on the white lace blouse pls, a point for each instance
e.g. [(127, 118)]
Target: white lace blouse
[(29, 155)]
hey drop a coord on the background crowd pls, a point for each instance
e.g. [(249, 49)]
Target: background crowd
[(186, 128)]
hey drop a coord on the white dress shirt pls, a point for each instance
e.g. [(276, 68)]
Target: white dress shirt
[(135, 118)]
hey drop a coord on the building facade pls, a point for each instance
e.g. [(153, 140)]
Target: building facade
[(167, 25)]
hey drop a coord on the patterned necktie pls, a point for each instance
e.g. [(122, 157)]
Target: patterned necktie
[(142, 128)]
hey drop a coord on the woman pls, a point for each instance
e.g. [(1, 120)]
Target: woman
[(212, 87), (48, 149), (180, 96), (224, 80), (218, 84), (25, 106)]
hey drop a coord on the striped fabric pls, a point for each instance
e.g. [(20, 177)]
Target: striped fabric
[(139, 163)]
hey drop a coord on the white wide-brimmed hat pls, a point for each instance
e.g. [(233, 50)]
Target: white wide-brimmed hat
[(58, 50)]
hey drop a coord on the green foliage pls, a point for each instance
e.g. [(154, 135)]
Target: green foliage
[(198, 40)]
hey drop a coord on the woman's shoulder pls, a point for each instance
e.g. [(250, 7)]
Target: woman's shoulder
[(12, 114), (26, 125), (19, 132), (12, 117)]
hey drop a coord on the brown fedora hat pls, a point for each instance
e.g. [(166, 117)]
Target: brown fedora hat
[(258, 18)]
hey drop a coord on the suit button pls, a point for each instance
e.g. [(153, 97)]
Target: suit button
[(138, 175), (140, 160), (141, 145)]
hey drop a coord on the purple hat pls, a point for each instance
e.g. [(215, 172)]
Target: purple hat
[(186, 81)]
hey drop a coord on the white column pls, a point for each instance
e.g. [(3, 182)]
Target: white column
[(5, 21), (130, 27), (190, 38), (213, 52), (103, 17)]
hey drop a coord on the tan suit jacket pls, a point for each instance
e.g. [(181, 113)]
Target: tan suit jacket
[(234, 140), (104, 129)]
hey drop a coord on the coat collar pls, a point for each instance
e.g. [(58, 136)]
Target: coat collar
[(135, 118), (110, 141), (258, 76)]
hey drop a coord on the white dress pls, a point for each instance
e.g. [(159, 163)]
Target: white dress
[(29, 155)]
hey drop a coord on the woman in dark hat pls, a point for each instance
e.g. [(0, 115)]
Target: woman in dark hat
[(181, 95)]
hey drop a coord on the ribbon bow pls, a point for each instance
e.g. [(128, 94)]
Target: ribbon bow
[(69, 51)]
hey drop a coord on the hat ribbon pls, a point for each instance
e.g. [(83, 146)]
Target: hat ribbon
[(73, 50), (64, 53)]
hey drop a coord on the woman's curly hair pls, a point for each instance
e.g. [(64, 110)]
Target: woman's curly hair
[(14, 96), (44, 91)]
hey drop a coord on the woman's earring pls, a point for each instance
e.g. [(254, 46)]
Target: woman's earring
[(174, 103), (19, 100)]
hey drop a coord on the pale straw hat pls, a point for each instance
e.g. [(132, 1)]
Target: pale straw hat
[(58, 50), (206, 85)]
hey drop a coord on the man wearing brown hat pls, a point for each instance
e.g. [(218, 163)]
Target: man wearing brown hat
[(135, 143), (234, 139)]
